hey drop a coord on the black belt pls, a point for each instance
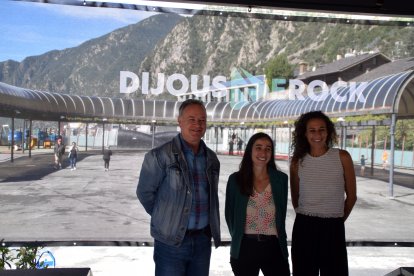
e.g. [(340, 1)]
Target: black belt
[(260, 237), (194, 232)]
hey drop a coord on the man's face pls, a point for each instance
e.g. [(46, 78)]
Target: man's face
[(193, 124), (59, 141)]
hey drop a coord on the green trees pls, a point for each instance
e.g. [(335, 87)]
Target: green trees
[(6, 258), (404, 138), (278, 71), (24, 257)]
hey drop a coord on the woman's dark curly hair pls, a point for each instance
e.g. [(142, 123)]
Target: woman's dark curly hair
[(300, 145), (245, 174)]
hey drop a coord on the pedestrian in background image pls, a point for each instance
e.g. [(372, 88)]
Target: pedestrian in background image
[(255, 212), (73, 156), (384, 159), (107, 157), (178, 187), (362, 162), (59, 151), (239, 146), (323, 192), (231, 147)]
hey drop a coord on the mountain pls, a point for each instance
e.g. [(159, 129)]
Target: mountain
[(214, 45), (201, 45), (93, 67)]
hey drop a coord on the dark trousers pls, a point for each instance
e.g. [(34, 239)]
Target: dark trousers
[(106, 163), (260, 255), (318, 246)]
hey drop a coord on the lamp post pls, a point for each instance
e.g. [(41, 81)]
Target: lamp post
[(341, 121), (29, 138), (243, 128), (86, 136), (103, 133), (216, 136), (12, 140), (153, 122), (286, 123)]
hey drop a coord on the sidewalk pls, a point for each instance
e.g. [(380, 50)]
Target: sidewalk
[(98, 210)]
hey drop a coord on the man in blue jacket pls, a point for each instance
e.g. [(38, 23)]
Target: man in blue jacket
[(178, 187)]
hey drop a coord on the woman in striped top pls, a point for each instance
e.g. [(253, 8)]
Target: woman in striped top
[(323, 191)]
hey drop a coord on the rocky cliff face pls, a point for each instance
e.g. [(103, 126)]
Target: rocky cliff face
[(200, 45), (213, 45)]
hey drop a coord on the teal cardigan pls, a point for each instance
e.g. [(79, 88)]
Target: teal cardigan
[(236, 205)]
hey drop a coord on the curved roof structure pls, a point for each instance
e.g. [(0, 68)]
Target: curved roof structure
[(393, 94)]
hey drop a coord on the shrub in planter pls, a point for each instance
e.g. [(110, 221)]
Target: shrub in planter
[(24, 257), (6, 258)]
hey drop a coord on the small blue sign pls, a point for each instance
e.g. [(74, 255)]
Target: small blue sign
[(46, 260)]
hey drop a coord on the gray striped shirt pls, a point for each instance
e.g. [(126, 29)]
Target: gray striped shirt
[(321, 185)]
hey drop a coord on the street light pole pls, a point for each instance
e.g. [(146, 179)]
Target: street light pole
[(341, 121), (286, 123), (153, 122), (216, 136), (103, 134), (12, 140), (29, 140)]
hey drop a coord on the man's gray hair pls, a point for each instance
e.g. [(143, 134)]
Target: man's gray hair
[(189, 102)]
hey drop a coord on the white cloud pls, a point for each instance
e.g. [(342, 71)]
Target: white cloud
[(125, 16)]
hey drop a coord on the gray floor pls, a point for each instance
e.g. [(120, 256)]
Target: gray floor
[(92, 207)]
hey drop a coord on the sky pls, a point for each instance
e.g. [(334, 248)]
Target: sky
[(31, 29)]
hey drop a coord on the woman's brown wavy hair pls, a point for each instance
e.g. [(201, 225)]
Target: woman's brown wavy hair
[(300, 146)]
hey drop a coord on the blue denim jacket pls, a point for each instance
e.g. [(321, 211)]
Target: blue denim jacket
[(165, 190)]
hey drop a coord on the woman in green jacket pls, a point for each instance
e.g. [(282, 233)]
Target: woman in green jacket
[(255, 211)]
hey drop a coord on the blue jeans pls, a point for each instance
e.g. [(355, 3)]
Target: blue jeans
[(72, 161), (192, 258)]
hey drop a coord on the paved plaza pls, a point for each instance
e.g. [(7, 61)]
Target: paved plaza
[(92, 218)]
